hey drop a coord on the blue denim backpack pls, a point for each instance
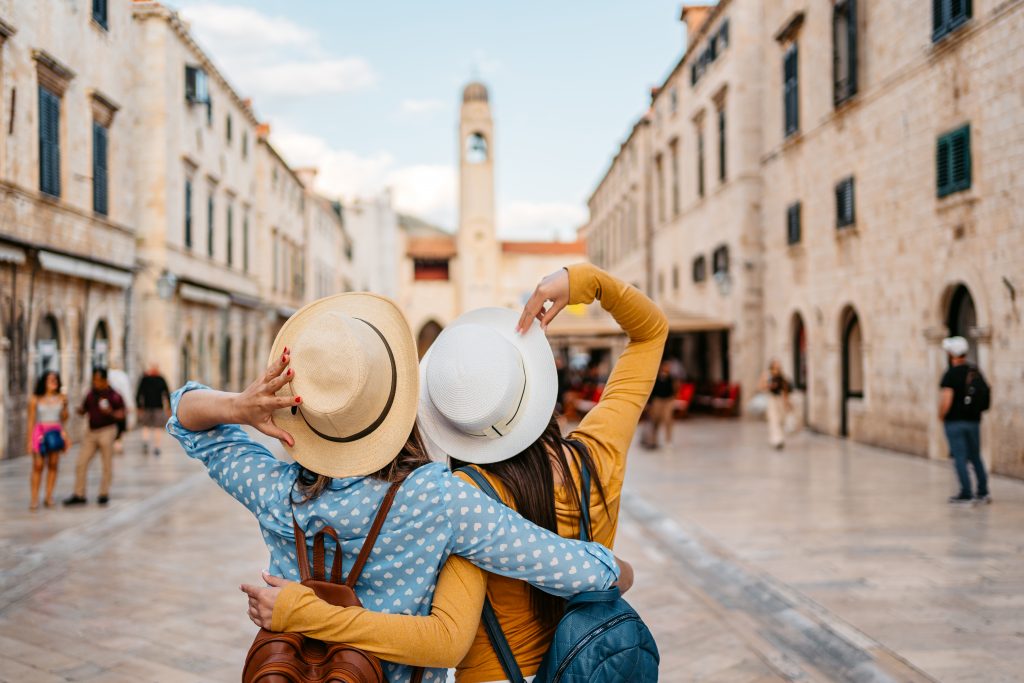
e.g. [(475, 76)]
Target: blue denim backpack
[(601, 639)]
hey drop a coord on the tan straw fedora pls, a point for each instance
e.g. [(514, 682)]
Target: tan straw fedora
[(356, 370)]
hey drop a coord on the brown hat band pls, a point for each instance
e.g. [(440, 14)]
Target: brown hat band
[(387, 406)]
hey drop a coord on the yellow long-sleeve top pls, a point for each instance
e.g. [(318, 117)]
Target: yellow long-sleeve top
[(452, 634)]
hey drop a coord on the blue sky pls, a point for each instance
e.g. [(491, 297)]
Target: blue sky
[(369, 92)]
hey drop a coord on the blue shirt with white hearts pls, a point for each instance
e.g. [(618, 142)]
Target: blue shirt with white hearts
[(435, 514)]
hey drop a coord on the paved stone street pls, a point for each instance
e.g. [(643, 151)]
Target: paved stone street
[(828, 561)]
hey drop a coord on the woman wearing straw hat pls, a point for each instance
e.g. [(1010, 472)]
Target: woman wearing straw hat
[(487, 397), (341, 394)]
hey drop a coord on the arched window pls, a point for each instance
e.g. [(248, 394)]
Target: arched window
[(852, 365), (962, 318), (799, 352), (187, 356), (47, 345), (243, 365), (225, 364), (100, 347), (428, 333)]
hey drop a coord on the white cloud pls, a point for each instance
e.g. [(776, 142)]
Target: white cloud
[(420, 106), (424, 190), (245, 26), (525, 220), (271, 56)]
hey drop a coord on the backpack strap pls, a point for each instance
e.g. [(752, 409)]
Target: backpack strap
[(584, 490), (490, 620), (371, 538)]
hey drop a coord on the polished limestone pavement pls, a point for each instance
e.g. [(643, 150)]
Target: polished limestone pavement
[(836, 560), (828, 561)]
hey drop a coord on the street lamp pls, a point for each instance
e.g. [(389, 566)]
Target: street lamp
[(167, 285), (723, 281)]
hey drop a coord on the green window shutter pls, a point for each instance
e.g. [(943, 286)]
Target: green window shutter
[(793, 223), (188, 214), (845, 203), (231, 236), (953, 161), (49, 142), (209, 225), (99, 169)]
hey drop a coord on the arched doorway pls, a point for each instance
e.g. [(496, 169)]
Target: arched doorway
[(962, 319), (852, 366), (799, 352), (100, 347), (428, 333), (47, 345), (187, 354)]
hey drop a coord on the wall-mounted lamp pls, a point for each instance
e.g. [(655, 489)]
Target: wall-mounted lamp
[(167, 285)]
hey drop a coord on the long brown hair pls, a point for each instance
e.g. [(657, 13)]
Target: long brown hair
[(412, 456), (530, 479)]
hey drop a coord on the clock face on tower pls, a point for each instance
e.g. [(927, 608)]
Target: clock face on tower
[(476, 148)]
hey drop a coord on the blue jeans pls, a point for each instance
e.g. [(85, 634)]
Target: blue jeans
[(964, 439)]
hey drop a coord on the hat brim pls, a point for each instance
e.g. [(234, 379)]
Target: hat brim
[(442, 439), (375, 450)]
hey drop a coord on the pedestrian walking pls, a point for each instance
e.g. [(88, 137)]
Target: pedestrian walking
[(662, 405), (345, 408), (153, 400), (48, 440), (516, 447), (105, 407), (779, 407), (964, 396)]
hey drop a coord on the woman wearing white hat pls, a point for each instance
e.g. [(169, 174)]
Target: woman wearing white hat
[(487, 397), (341, 394)]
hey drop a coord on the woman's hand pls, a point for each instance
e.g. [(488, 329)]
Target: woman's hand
[(262, 599), (553, 288), (625, 581), (256, 405)]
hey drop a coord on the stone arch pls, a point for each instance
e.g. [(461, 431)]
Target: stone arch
[(99, 345), (428, 333), (961, 316), (798, 348), (47, 344)]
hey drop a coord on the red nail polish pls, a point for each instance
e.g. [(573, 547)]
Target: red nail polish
[(289, 373), (298, 399)]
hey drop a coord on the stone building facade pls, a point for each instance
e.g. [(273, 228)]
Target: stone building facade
[(67, 214), (878, 150), (890, 102)]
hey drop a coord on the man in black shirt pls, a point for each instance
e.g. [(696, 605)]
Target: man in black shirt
[(961, 415), (154, 402)]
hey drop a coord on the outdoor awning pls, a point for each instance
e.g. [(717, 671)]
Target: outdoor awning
[(286, 311), (202, 295), (686, 321), (245, 300), (12, 255), (582, 323), (87, 270)]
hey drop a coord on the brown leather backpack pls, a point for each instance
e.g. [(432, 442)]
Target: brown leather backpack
[(294, 658)]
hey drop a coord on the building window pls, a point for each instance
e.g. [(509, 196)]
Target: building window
[(844, 203), (720, 260), (227, 128), (793, 223), (99, 12), (245, 242), (948, 15), (675, 278), (791, 98), (275, 258), (799, 353), (660, 173), (673, 100), (844, 50), (188, 213), (245, 145), (700, 160), (700, 269), (430, 269), (231, 234), (209, 224), (721, 143), (49, 142), (716, 45), (674, 151), (99, 168), (197, 90), (953, 161)]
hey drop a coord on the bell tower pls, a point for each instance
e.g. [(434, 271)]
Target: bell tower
[(479, 252)]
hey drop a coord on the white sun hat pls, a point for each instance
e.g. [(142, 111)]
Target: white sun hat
[(956, 346), (486, 392)]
